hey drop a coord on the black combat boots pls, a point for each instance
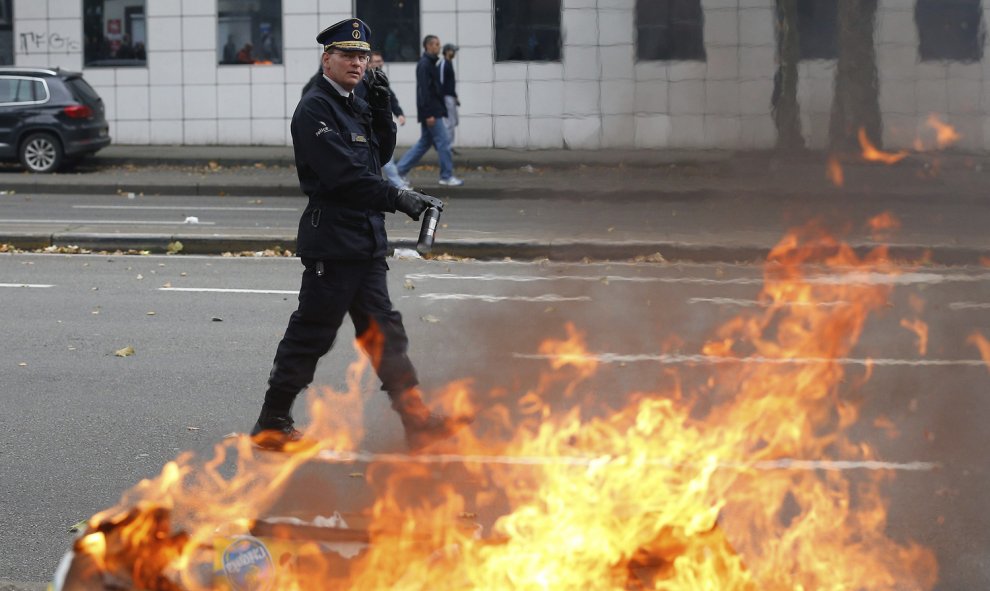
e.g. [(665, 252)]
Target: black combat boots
[(274, 431), (422, 426)]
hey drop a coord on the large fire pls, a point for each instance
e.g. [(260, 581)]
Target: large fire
[(761, 487)]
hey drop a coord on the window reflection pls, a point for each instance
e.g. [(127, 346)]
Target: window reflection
[(115, 33)]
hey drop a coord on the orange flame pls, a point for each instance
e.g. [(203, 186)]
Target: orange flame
[(945, 134), (981, 343), (656, 492), (920, 329), (872, 154), (835, 173)]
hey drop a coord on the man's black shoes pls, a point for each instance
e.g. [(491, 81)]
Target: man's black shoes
[(423, 427), (276, 432)]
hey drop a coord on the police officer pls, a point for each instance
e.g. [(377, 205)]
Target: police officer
[(340, 142)]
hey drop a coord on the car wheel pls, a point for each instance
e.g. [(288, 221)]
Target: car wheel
[(41, 152)]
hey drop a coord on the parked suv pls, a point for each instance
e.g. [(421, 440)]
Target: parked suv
[(49, 117)]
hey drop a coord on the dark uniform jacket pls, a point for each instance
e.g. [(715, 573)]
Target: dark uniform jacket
[(429, 97), (339, 150), (448, 87)]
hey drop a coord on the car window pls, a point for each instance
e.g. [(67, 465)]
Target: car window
[(82, 91), (22, 90)]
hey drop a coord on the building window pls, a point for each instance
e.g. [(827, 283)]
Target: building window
[(394, 27), (116, 33), (249, 32), (818, 29), (950, 30), (670, 30), (527, 30), (6, 33)]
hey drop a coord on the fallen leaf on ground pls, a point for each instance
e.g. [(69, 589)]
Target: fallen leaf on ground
[(192, 428), (174, 247), (125, 352), (430, 318)]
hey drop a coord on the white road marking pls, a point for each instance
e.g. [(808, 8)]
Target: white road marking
[(107, 222), (26, 285), (222, 290), (837, 278), (600, 461), (550, 297), (185, 208), (759, 304), (670, 359), (969, 306)]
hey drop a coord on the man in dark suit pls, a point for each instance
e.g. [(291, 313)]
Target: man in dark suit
[(340, 141), (430, 111)]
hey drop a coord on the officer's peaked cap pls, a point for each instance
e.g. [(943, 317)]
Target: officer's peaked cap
[(352, 34)]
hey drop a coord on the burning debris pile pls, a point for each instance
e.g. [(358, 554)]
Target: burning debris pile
[(745, 492)]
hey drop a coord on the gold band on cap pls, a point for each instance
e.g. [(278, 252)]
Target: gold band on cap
[(361, 45)]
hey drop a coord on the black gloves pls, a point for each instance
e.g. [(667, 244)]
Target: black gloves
[(413, 204), (378, 92)]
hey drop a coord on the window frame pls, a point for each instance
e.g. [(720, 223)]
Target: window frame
[(118, 62), (702, 58), (376, 30), (281, 40), (559, 45), (44, 84), (980, 32)]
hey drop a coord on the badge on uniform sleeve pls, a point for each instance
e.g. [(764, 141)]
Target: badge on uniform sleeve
[(322, 130), (357, 137)]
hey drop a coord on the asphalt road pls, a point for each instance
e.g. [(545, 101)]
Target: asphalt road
[(80, 425)]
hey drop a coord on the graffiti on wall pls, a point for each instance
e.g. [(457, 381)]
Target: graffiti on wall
[(34, 42)]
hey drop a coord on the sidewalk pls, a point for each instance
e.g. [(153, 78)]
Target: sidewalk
[(616, 205)]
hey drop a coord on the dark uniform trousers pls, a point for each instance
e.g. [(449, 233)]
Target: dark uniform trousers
[(350, 287)]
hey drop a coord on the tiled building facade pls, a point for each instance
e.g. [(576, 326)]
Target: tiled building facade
[(600, 93)]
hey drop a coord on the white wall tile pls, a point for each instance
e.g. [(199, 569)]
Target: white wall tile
[(476, 99), (581, 63), (651, 97), (511, 132), (132, 76), (300, 31), (164, 33), (615, 27), (198, 7), (617, 62), (199, 101), (267, 101), (474, 29), (475, 65), (268, 74), (132, 103), (165, 131), (687, 131), (581, 98), (310, 7), (269, 132), (199, 32), (582, 133), (652, 131), (618, 97), (546, 98), (30, 9), (687, 97), (476, 132), (722, 132), (546, 133), (618, 130), (166, 102), (509, 98), (579, 27), (721, 28), (199, 67), (234, 101), (156, 8), (234, 74), (133, 132), (441, 24), (202, 132), (165, 68)]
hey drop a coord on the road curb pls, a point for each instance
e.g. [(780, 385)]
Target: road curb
[(572, 251)]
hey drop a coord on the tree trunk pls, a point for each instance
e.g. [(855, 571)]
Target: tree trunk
[(786, 110), (857, 98)]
